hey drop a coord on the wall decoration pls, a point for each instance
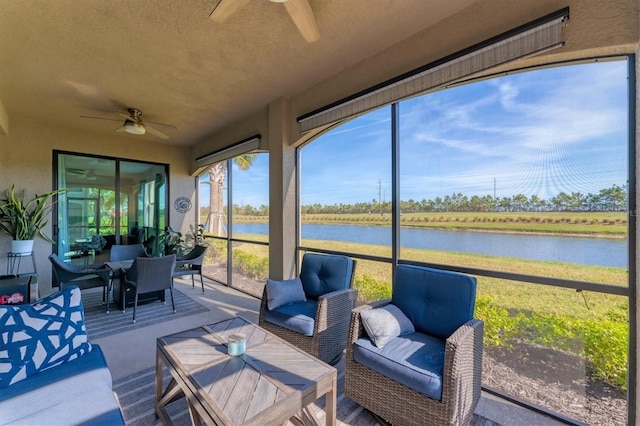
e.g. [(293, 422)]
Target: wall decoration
[(182, 204)]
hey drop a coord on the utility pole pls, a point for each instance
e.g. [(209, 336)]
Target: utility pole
[(380, 195), (494, 194)]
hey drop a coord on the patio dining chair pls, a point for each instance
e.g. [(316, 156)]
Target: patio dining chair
[(191, 264), (312, 311), (150, 274), (83, 276), (416, 359), (121, 252)]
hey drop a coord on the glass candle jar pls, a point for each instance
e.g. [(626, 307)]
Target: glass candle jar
[(236, 345)]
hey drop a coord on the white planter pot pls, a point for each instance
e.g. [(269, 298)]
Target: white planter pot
[(22, 246)]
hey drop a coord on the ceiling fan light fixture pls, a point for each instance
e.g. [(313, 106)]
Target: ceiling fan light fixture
[(133, 128)]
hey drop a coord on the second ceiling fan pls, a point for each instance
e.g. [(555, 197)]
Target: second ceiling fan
[(299, 10)]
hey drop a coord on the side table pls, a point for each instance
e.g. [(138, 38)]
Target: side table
[(15, 289)]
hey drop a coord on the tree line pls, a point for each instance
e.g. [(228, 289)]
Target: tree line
[(610, 199)]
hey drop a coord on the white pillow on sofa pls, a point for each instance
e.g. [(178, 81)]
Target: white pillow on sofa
[(386, 323)]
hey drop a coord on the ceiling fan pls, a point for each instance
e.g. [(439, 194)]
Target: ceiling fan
[(89, 174), (299, 10), (134, 125)]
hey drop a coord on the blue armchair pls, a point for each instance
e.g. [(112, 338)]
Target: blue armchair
[(416, 359), (312, 311)]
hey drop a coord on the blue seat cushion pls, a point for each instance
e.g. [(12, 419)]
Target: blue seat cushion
[(90, 361), (437, 302), (298, 317), (322, 274), (415, 360)]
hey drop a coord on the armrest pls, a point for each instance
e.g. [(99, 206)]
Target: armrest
[(263, 306), (463, 362), (95, 266), (334, 307), (181, 263), (356, 329), (103, 273), (68, 275)]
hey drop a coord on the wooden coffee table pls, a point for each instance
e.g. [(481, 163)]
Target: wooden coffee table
[(271, 383)]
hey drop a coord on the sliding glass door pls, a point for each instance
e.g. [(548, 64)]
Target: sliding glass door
[(107, 201)]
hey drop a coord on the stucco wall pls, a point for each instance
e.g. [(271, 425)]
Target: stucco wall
[(26, 156)]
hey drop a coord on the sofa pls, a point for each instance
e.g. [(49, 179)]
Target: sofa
[(49, 372)]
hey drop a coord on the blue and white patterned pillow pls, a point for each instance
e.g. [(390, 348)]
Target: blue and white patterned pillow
[(42, 335)]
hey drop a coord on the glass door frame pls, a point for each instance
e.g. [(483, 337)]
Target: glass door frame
[(117, 188)]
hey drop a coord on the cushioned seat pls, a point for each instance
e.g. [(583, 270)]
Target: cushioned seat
[(84, 382), (415, 360), (298, 317)]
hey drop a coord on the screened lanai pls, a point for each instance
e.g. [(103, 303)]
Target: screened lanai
[(471, 118)]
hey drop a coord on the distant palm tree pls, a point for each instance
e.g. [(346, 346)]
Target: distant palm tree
[(217, 172)]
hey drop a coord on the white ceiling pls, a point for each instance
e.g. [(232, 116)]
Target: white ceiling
[(63, 59)]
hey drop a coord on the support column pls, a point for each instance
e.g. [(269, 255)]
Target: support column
[(282, 193)]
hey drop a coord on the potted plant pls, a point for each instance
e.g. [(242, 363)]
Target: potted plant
[(23, 220), (176, 243)]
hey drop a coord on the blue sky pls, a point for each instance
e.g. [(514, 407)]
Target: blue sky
[(542, 132)]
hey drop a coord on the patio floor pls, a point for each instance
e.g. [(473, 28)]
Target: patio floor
[(134, 351)]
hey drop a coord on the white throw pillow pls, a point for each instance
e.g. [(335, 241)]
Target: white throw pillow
[(386, 323)]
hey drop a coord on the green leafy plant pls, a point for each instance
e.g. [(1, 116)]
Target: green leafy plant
[(21, 219), (176, 243)]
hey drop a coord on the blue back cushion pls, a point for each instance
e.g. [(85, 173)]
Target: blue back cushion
[(323, 273), (437, 302)]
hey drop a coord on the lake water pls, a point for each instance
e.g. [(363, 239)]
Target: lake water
[(580, 250)]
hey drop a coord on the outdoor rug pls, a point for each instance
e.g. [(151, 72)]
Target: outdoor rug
[(99, 324)]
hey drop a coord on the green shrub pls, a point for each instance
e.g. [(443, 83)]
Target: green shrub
[(371, 289), (217, 252), (251, 265)]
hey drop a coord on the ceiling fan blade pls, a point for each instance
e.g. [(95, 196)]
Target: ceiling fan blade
[(99, 118), (156, 132), (170, 126), (225, 8), (302, 15), (126, 116)]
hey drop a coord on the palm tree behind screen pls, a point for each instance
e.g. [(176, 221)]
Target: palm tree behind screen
[(217, 172)]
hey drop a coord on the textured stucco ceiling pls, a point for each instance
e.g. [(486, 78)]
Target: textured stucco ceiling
[(63, 59)]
